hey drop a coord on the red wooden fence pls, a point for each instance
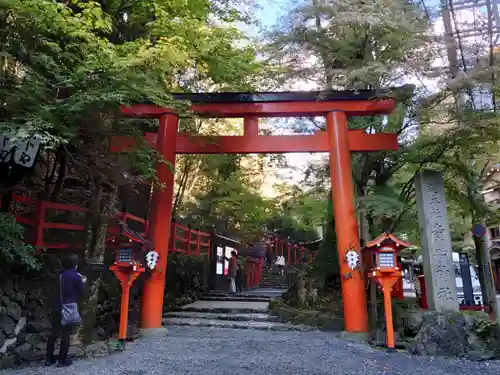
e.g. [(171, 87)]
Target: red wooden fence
[(253, 269), (189, 241), (293, 253), (183, 239), (32, 213)]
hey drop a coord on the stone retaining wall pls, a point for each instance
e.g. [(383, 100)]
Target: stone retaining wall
[(24, 325), (24, 308)]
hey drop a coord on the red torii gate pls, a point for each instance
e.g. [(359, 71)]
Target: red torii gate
[(336, 106)]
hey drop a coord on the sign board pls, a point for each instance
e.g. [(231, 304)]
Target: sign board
[(219, 264), (125, 255), (220, 250), (386, 260), (479, 230), (21, 152), (96, 267), (219, 268), (466, 280)]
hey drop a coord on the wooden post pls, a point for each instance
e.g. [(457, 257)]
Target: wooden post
[(486, 276), (373, 308), (127, 278), (389, 326), (39, 225), (122, 333)]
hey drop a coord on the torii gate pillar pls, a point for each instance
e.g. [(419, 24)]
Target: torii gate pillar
[(346, 225), (160, 214)]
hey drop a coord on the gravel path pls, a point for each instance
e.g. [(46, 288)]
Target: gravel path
[(215, 351)]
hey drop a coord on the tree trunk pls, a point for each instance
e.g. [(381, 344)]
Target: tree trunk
[(486, 276), (61, 175), (95, 249), (365, 235), (196, 174)]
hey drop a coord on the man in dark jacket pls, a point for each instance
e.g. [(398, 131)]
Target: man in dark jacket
[(70, 290)]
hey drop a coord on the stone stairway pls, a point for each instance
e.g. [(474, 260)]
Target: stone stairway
[(219, 310), (272, 278)]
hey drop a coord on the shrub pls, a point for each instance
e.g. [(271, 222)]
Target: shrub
[(14, 252)]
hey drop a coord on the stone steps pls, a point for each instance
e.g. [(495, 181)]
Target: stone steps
[(258, 325), (223, 310), (239, 317), (218, 310), (246, 294), (235, 298), (273, 284), (271, 278)]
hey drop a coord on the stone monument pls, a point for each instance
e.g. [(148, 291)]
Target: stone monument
[(436, 246)]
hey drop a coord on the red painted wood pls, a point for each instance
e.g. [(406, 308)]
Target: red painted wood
[(64, 207), (198, 238), (66, 226), (359, 141)]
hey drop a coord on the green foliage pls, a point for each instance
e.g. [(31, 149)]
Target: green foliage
[(327, 315), (326, 267), (301, 212), (370, 45), (185, 277), (71, 65), (14, 251), (356, 43)]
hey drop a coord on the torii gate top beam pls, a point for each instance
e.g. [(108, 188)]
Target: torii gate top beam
[(252, 106), (274, 104)]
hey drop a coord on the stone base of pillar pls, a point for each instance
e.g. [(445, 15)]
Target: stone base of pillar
[(357, 337), (153, 332)]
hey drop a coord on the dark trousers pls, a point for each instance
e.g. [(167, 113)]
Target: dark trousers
[(269, 260), (239, 282), (58, 330)]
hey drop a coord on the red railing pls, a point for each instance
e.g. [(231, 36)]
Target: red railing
[(189, 241), (253, 268), (182, 240), (293, 253)]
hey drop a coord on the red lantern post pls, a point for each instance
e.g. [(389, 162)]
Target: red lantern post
[(380, 257), (130, 247)]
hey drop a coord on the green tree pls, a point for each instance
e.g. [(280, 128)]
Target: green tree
[(374, 45), (68, 67)]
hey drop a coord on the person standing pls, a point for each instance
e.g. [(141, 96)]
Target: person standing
[(239, 275), (269, 255), (233, 271), (68, 291)]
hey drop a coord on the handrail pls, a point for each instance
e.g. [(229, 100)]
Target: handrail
[(195, 242)]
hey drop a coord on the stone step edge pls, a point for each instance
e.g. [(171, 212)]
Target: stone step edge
[(254, 317), (227, 310), (243, 294), (233, 299), (272, 326)]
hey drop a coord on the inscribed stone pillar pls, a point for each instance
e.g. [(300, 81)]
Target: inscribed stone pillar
[(436, 246)]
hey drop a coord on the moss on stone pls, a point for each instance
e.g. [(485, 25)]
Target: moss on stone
[(457, 334), (314, 318)]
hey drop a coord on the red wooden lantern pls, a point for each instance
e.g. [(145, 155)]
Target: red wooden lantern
[(129, 264), (380, 244), (381, 263)]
